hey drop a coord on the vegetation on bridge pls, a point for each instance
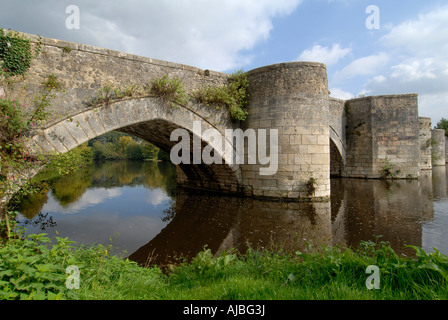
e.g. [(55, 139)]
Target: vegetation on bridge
[(233, 96), (17, 119), (16, 53)]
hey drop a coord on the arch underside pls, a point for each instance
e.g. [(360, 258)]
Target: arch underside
[(337, 160), (151, 120), (211, 177)]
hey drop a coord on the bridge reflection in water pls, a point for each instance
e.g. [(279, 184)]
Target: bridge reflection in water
[(359, 210)]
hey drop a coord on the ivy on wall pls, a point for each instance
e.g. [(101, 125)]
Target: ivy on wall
[(16, 53)]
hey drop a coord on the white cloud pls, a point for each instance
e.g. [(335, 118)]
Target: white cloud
[(156, 197), (91, 198), (329, 56), (421, 36), (434, 106), (414, 70), (421, 50), (363, 66), (341, 94), (207, 34)]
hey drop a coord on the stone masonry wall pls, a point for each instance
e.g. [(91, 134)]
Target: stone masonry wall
[(84, 69), (438, 147), (337, 121), (446, 150), (293, 99), (396, 132), (425, 143), (359, 163), (383, 131)]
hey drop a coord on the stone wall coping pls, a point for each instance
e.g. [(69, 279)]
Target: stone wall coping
[(337, 99), (287, 65), (50, 42), (385, 96)]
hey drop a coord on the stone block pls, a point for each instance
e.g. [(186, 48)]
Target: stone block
[(309, 139), (76, 131), (54, 140), (94, 122)]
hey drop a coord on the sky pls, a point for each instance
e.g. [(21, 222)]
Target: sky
[(400, 47)]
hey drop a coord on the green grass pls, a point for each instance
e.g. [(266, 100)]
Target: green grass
[(32, 268)]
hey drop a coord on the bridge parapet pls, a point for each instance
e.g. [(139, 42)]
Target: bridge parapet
[(84, 69)]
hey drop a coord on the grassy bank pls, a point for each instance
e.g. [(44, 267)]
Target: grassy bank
[(31, 268)]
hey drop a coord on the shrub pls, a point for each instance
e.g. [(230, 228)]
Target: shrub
[(169, 90), (233, 95), (31, 270), (13, 120)]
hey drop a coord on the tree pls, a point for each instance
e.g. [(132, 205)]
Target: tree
[(443, 124), (149, 151), (124, 143)]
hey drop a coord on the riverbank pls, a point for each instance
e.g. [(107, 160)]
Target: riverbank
[(31, 268)]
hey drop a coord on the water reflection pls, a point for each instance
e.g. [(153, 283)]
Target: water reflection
[(157, 223), (435, 230), (118, 201), (397, 211), (439, 181), (394, 210), (223, 223)]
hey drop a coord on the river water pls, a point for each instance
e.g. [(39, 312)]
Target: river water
[(136, 208)]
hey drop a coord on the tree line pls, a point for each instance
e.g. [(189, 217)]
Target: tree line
[(121, 146)]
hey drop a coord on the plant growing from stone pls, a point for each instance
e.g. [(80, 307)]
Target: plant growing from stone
[(110, 93), (387, 171), (310, 186), (169, 90), (233, 95)]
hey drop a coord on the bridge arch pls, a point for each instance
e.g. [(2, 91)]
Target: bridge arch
[(152, 120), (337, 154), (337, 161)]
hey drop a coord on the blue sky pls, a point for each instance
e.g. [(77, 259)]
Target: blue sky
[(407, 54)]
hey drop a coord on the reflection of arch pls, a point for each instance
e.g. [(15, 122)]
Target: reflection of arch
[(149, 119), (225, 223)]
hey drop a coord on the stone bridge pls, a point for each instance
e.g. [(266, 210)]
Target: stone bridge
[(318, 136)]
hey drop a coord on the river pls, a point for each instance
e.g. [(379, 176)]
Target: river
[(136, 208)]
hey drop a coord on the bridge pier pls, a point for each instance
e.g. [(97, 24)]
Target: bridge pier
[(293, 99), (438, 147), (383, 137)]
